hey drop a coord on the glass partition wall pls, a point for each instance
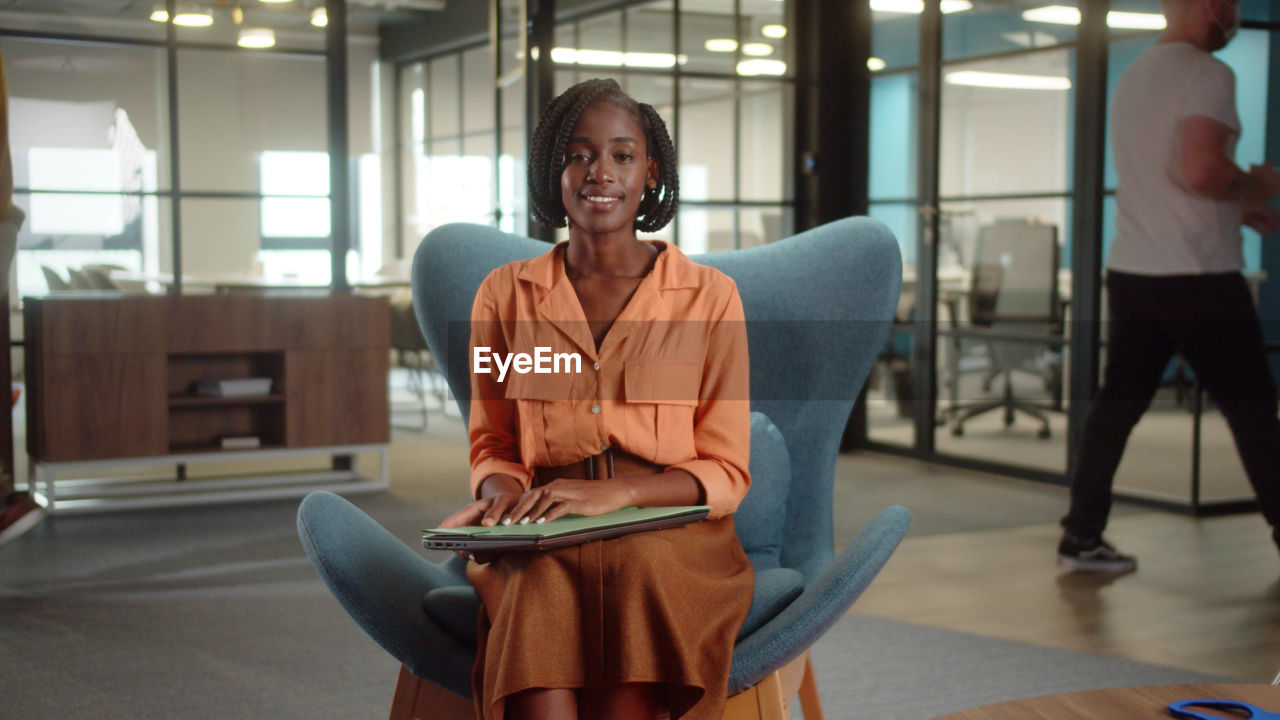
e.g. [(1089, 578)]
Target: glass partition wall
[(994, 108), (107, 103), (717, 71)]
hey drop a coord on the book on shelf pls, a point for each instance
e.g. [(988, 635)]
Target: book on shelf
[(239, 442), (234, 387)]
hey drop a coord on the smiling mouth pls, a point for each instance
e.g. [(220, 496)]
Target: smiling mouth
[(600, 198)]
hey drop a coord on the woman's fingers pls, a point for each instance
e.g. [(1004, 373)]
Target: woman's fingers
[(469, 515), (539, 510), (499, 507), (521, 509), (558, 510)]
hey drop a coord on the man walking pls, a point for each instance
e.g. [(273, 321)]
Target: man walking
[(1173, 274)]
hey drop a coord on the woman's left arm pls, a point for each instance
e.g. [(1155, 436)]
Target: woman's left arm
[(722, 422)]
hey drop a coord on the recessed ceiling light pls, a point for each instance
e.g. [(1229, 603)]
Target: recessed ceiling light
[(757, 49), (193, 18), (761, 66), (875, 64), (160, 15), (721, 45), (320, 17), (977, 78), (257, 38), (1063, 15), (776, 32), (917, 6)]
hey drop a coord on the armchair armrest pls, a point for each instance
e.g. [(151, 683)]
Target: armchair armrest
[(380, 582), (821, 604)]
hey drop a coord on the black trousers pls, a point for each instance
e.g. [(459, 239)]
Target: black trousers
[(1211, 320)]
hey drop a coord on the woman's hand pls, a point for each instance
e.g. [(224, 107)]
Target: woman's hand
[(487, 511), (564, 496)]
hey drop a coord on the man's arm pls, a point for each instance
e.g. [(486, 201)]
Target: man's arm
[(1208, 171)]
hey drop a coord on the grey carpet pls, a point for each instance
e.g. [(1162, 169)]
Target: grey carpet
[(214, 612)]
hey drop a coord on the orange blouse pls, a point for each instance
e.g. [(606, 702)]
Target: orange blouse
[(669, 383)]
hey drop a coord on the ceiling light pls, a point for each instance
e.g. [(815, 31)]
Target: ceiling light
[(761, 66), (611, 58), (160, 15), (597, 57), (917, 6), (1063, 15), (757, 49), (649, 60), (193, 18), (776, 32), (977, 78), (320, 17), (274, 2), (257, 38), (1057, 14), (721, 45), (875, 64), (1136, 20)]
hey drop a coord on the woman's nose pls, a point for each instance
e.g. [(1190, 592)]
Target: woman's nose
[(599, 171)]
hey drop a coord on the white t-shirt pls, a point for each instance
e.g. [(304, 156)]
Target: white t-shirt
[(1162, 228)]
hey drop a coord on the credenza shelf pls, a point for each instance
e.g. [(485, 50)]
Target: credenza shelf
[(198, 401)]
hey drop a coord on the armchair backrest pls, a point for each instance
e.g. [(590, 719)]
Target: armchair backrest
[(818, 308)]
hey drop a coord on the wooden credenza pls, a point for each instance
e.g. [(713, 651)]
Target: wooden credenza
[(112, 379)]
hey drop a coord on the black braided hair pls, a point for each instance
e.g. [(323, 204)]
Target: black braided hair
[(547, 160)]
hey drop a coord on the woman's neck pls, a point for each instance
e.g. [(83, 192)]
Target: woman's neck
[(613, 255)]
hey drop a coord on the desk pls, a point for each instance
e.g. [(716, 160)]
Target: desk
[(1131, 703)]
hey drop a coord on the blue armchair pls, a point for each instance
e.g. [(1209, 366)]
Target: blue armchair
[(818, 307)]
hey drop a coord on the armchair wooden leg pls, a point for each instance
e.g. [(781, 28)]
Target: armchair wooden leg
[(418, 699), (810, 703), (770, 699)]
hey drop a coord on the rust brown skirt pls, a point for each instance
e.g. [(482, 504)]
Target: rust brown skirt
[(657, 607)]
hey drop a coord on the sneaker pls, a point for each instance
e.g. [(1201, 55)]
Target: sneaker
[(1093, 555), (18, 515)]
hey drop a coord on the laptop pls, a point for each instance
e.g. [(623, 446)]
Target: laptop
[(568, 530)]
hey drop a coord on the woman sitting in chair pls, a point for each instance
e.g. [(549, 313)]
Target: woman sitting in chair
[(656, 415)]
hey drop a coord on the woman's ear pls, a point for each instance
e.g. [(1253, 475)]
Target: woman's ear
[(651, 179)]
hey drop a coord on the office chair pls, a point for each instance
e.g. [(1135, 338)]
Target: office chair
[(1015, 312), (54, 280), (818, 306), (412, 354)]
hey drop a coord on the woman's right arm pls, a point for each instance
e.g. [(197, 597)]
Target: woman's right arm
[(498, 477)]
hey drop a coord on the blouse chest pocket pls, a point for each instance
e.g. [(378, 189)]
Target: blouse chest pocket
[(543, 406), (664, 396)]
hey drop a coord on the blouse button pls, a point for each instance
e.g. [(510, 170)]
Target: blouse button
[(595, 409), (595, 366)]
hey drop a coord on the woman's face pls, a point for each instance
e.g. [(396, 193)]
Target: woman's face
[(607, 169)]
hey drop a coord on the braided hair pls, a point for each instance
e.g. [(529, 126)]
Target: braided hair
[(547, 161)]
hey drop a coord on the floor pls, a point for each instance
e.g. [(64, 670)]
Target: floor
[(980, 555)]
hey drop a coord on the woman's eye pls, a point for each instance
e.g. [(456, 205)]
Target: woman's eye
[(579, 157), (624, 157)]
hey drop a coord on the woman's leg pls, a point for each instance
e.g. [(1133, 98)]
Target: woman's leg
[(543, 704), (633, 701)]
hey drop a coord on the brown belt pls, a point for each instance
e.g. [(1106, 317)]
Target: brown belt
[(607, 464)]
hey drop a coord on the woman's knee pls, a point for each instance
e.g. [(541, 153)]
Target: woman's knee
[(542, 704), (632, 701)]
